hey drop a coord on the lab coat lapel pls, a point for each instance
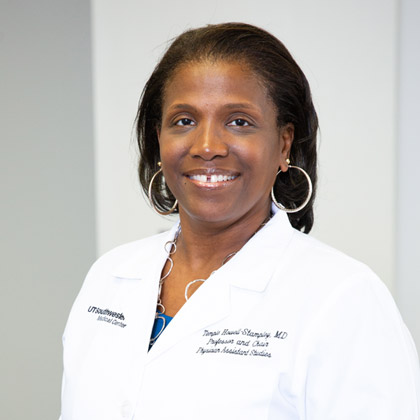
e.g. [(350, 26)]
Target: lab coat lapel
[(250, 269), (263, 254), (208, 305), (140, 274)]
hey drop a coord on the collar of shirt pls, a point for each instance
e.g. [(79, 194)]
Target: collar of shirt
[(254, 263)]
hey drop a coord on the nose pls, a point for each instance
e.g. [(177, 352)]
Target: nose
[(208, 142)]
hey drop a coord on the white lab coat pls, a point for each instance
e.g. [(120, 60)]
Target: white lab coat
[(288, 329)]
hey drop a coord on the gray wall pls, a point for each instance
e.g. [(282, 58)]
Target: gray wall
[(47, 224), (408, 181)]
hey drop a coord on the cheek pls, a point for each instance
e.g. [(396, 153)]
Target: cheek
[(266, 164), (263, 156), (170, 150)]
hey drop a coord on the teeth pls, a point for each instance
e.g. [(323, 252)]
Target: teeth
[(212, 178), (201, 178)]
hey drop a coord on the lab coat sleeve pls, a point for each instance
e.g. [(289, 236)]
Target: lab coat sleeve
[(358, 360)]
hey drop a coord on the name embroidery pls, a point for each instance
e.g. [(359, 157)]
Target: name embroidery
[(106, 315), (240, 342)]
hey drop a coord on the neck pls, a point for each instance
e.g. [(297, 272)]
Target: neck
[(208, 243)]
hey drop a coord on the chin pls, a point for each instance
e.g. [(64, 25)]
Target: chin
[(210, 213)]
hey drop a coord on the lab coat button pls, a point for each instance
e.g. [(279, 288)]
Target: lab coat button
[(126, 409)]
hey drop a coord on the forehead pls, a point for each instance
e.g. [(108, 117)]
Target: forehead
[(219, 81)]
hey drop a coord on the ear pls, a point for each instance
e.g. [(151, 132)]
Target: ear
[(287, 134)]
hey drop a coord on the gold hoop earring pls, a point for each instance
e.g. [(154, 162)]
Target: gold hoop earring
[(308, 197), (150, 194)]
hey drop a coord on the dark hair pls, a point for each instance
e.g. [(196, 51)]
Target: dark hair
[(286, 85)]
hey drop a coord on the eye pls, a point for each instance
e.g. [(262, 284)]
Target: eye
[(239, 122), (184, 122)]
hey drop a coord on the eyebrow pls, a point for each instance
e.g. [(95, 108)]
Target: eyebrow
[(227, 106), (239, 105), (182, 106)]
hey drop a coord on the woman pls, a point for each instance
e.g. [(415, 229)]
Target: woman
[(234, 313)]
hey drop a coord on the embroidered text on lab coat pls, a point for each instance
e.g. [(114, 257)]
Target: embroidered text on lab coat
[(106, 315), (239, 342)]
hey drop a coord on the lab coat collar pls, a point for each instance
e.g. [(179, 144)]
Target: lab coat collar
[(262, 254), (250, 269), (255, 261), (151, 259)]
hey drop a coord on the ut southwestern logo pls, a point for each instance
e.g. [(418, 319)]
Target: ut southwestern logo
[(106, 315)]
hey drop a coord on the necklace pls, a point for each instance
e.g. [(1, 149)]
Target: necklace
[(170, 248)]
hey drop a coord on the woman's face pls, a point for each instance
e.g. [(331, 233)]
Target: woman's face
[(220, 143)]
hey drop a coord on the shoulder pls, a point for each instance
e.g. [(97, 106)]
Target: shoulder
[(129, 260), (324, 258), (303, 267), (303, 254), (143, 248), (318, 280), (322, 269), (133, 260), (342, 298)]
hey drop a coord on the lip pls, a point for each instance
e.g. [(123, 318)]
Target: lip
[(211, 178)]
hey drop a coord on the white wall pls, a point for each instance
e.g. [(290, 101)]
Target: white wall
[(346, 48)]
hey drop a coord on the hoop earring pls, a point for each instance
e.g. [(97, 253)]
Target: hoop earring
[(308, 197), (150, 194)]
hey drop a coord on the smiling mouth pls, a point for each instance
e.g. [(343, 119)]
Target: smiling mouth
[(212, 178)]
